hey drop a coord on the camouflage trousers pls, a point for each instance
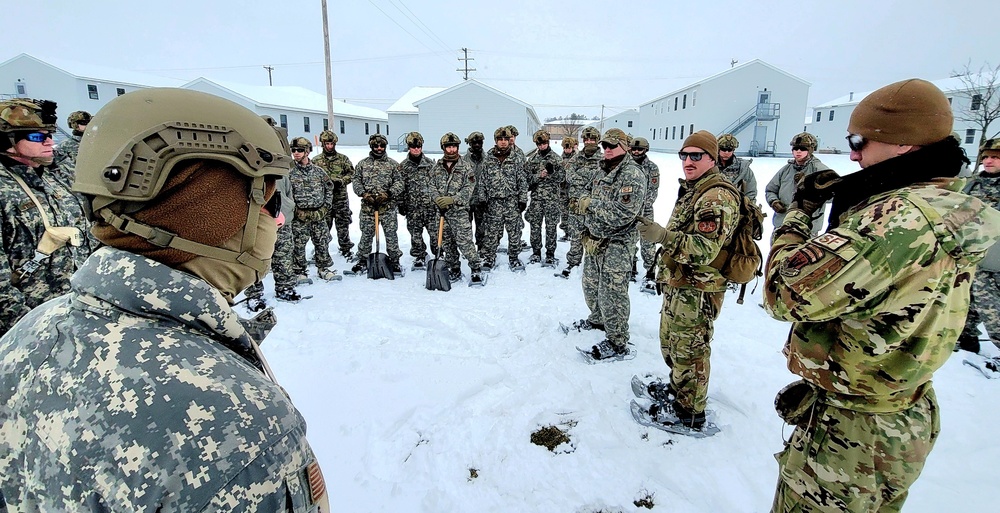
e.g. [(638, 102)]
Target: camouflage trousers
[(341, 214), (687, 324), (606, 274), (281, 265), (304, 231), (502, 213), (388, 218), (985, 306), (547, 212), (845, 460), (564, 211), (422, 218), (458, 237), (478, 217), (647, 250), (574, 227)]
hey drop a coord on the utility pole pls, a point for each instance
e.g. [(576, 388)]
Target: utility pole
[(329, 74), (602, 118), (466, 69), (269, 70)]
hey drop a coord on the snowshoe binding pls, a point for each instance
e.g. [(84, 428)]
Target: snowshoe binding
[(656, 391), (301, 279), (581, 325), (516, 265), (256, 304), (478, 279), (605, 351), (672, 418), (550, 261), (359, 268), (535, 258), (418, 265), (329, 275), (289, 296)]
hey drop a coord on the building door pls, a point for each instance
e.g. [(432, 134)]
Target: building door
[(763, 97), (759, 140)]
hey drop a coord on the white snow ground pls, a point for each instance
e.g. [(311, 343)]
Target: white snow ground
[(407, 390)]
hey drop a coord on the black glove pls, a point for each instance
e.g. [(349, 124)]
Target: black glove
[(404, 210), (521, 206), (812, 191), (549, 167)]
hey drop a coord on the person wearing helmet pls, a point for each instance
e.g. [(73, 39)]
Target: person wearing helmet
[(545, 174), (985, 305), (639, 150), (312, 191), (143, 373), (780, 189), (735, 169), (580, 174), (341, 172), (506, 193), (569, 144), (610, 212), (519, 155), (416, 203), (452, 184), (379, 185), (477, 207), (67, 150), (46, 236)]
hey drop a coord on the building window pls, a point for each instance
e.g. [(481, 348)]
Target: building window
[(831, 115), (977, 100), (378, 128), (387, 129), (694, 98), (305, 124), (675, 103), (970, 136), (819, 116), (949, 101), (630, 124), (654, 134), (121, 91), (21, 88), (673, 132), (684, 105), (283, 121), (691, 129), (92, 92), (366, 129), (326, 124), (682, 131), (342, 126)]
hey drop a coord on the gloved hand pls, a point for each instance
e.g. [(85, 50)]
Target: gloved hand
[(582, 204), (381, 198), (337, 182), (549, 168), (321, 214), (521, 206), (368, 199), (404, 210), (778, 206), (444, 202), (477, 205), (812, 191), (650, 230)]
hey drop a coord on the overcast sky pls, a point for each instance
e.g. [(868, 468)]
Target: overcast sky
[(562, 57)]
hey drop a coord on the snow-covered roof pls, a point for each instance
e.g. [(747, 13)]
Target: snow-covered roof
[(726, 72), (292, 97), (472, 82), (404, 105), (947, 85), (102, 73)]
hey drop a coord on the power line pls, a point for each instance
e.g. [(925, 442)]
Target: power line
[(421, 25), (290, 64), (402, 27)]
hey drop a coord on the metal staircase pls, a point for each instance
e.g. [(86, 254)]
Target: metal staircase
[(763, 112)]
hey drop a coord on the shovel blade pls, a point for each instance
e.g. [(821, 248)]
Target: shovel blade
[(437, 275), (378, 267)]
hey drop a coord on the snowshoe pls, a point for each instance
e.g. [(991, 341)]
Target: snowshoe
[(256, 304), (302, 279), (329, 275), (656, 391), (478, 279), (535, 259), (397, 271), (347, 254), (525, 246), (672, 419), (418, 265), (289, 296), (516, 265), (988, 367), (454, 275), (605, 351), (564, 274), (502, 249), (550, 262), (648, 286), (359, 268)]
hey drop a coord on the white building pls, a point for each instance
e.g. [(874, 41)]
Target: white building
[(829, 120), (758, 103), (302, 111), (627, 121), (404, 116)]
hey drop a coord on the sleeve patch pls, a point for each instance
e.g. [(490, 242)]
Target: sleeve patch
[(831, 241), (627, 190), (626, 199), (708, 226)]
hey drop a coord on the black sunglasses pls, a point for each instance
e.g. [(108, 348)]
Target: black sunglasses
[(378, 145), (298, 150), (856, 142), (608, 146), (695, 156), (799, 148), (36, 136)]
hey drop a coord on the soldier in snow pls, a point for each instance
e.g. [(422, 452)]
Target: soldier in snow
[(506, 192), (341, 171), (312, 191), (780, 189), (545, 177), (452, 181), (735, 169), (416, 204), (477, 206), (379, 185), (579, 177), (639, 149)]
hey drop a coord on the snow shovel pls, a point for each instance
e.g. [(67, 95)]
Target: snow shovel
[(437, 271), (378, 262)]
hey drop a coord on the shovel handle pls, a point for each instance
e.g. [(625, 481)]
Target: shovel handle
[(440, 230), (378, 246)]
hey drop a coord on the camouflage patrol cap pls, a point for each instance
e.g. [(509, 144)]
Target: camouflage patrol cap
[(806, 140), (591, 133), (301, 142), (328, 136), (475, 136), (80, 117), (513, 131), (615, 136), (377, 138), (727, 142), (414, 140), (569, 142), (27, 115), (990, 148), (502, 132), (541, 137), (450, 139), (639, 143)]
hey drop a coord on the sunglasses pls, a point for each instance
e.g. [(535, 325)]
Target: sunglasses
[(378, 145), (36, 136), (412, 146), (726, 149), (273, 206), (695, 156), (799, 148), (608, 146), (856, 142), (298, 150)]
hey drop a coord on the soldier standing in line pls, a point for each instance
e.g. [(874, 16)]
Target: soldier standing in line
[(152, 321), (579, 176), (416, 203), (312, 191), (545, 176), (518, 154), (701, 224), (506, 193), (569, 151), (876, 303), (735, 169), (341, 171), (610, 213), (451, 185), (67, 150), (45, 234), (477, 208), (985, 305), (640, 150), (378, 183), (780, 189)]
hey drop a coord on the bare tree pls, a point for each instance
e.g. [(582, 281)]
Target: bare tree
[(982, 90), (569, 126)]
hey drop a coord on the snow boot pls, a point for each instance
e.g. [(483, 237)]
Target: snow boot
[(476, 278), (516, 265), (661, 392), (418, 265), (328, 275), (535, 258), (968, 343), (454, 275), (677, 415), (566, 272), (361, 267), (347, 254), (287, 295), (302, 279), (586, 325), (550, 261), (395, 268), (256, 304), (605, 349)]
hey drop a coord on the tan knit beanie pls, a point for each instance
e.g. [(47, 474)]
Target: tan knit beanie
[(912, 111), (705, 140)]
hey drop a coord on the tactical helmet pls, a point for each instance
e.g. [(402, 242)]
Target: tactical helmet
[(475, 136), (591, 133), (615, 136), (281, 131), (640, 143), (450, 138), (990, 145), (302, 142), (377, 138), (513, 131), (414, 140), (727, 142), (328, 136), (270, 120), (80, 117), (541, 137), (502, 132), (22, 115), (806, 140), (569, 142)]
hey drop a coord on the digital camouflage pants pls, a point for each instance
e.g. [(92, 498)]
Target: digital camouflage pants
[(419, 220), (845, 460), (302, 232), (281, 265), (458, 237), (574, 227), (687, 324), (647, 250), (341, 215), (606, 274), (547, 212), (502, 213), (390, 224), (985, 306)]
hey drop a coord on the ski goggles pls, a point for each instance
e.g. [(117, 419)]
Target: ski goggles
[(695, 156), (35, 136), (856, 142)]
